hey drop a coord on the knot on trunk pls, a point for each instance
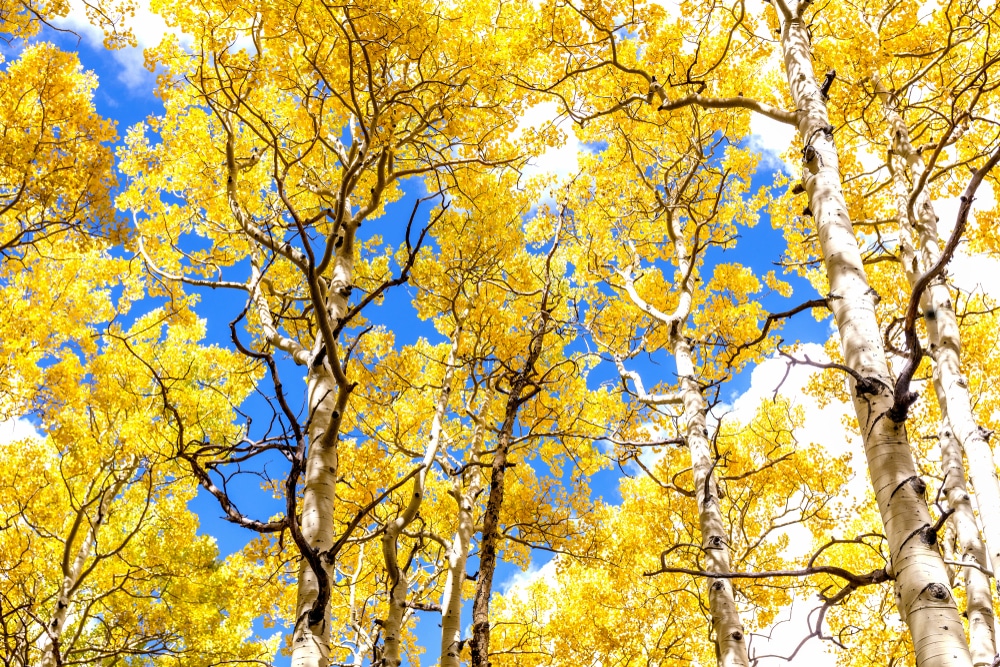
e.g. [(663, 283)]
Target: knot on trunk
[(936, 591)]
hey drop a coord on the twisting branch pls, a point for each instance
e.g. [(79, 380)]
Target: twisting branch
[(903, 397), (865, 385), (854, 580), (774, 317)]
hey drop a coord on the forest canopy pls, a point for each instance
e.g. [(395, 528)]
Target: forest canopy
[(499, 333)]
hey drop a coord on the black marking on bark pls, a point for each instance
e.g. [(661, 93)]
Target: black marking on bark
[(936, 591), (909, 480)]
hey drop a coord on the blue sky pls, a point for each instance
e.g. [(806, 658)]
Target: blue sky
[(125, 94)]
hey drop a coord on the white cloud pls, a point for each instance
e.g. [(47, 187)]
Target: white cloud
[(772, 138), (823, 426), (13, 430), (969, 273), (774, 646), (559, 161), (519, 583), (149, 30)]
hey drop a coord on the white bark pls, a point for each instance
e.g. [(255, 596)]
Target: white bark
[(311, 642), (363, 642), (398, 582), (328, 391), (943, 333), (924, 596), (75, 561), (731, 649), (730, 645), (963, 523), (979, 597), (458, 555)]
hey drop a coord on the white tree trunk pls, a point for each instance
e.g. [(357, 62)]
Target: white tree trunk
[(940, 317), (730, 641), (398, 582), (74, 563), (943, 332), (458, 555), (328, 391), (731, 649), (924, 597), (971, 552)]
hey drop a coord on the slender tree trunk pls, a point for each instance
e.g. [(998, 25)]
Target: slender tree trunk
[(923, 593), (458, 555), (943, 331), (328, 392), (398, 582), (979, 597), (480, 641), (731, 649), (74, 564), (730, 641), (518, 394)]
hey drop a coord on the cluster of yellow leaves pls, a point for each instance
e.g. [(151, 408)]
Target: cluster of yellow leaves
[(606, 604)]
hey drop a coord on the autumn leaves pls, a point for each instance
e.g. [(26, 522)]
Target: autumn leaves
[(435, 363)]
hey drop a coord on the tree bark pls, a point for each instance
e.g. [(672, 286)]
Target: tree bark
[(730, 641), (924, 597), (328, 391), (971, 552), (480, 641), (521, 390), (398, 582), (458, 555), (942, 330)]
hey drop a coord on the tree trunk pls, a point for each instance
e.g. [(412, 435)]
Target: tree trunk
[(972, 553), (480, 641), (458, 555), (924, 597), (731, 649), (943, 332), (74, 563), (311, 641), (328, 391), (398, 583)]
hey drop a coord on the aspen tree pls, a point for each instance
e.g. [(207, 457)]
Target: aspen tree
[(397, 575), (317, 122), (944, 338), (729, 633), (923, 593)]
